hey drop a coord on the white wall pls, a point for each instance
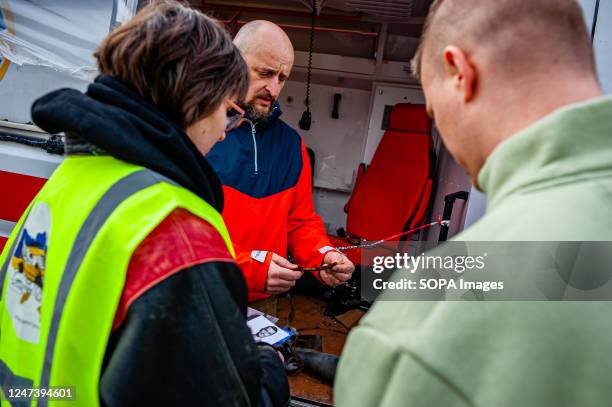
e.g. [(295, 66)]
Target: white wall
[(337, 143), (449, 177), (603, 45), (588, 9), (477, 204)]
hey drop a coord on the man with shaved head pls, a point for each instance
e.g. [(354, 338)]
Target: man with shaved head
[(491, 68), (269, 54), (267, 183), (512, 87)]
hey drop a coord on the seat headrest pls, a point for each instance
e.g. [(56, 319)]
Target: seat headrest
[(409, 117)]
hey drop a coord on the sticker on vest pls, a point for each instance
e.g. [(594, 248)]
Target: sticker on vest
[(26, 274), (259, 255)]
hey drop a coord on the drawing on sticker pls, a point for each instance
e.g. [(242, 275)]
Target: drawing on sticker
[(26, 273), (29, 260)]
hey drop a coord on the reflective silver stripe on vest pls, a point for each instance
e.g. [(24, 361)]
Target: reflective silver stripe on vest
[(6, 227), (8, 380), (119, 192)]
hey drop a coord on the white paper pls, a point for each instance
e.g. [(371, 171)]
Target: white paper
[(264, 330)]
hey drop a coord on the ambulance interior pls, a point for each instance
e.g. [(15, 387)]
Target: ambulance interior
[(370, 140), (360, 74)]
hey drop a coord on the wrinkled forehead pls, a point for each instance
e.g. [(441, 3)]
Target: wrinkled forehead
[(279, 59)]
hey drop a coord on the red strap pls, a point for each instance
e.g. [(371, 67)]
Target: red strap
[(182, 240)]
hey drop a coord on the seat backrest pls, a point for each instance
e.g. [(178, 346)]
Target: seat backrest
[(398, 178)]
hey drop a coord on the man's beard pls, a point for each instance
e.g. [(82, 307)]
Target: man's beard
[(253, 113)]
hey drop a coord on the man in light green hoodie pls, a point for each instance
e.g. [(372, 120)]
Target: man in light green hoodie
[(512, 87)]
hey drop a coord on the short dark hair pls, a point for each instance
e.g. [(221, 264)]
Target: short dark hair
[(177, 58), (522, 33)]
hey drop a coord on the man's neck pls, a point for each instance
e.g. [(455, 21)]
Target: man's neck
[(537, 100)]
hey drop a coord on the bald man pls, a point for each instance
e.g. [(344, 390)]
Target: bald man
[(267, 182), (512, 87)]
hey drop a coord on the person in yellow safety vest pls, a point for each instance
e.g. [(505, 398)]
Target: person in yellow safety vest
[(141, 301)]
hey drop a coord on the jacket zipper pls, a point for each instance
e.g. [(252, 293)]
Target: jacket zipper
[(253, 132)]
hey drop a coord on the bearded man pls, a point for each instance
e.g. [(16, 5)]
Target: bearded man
[(267, 183)]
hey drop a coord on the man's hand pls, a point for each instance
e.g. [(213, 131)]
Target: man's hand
[(281, 275), (340, 273)]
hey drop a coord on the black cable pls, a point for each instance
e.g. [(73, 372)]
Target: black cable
[(306, 119), (52, 145), (310, 51), (594, 21)]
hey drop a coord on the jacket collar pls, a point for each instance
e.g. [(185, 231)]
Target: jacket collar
[(271, 119), (570, 144)]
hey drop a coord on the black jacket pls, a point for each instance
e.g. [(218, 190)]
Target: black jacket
[(184, 341)]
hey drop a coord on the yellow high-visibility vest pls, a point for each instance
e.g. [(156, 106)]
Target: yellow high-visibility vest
[(63, 269)]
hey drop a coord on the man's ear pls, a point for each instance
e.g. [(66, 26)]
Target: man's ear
[(463, 72)]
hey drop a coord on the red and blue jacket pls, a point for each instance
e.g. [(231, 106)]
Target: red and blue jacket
[(267, 185)]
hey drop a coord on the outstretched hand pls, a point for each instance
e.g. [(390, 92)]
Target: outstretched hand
[(340, 273)]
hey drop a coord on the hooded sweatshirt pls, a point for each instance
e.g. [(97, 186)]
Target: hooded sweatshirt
[(551, 181)]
